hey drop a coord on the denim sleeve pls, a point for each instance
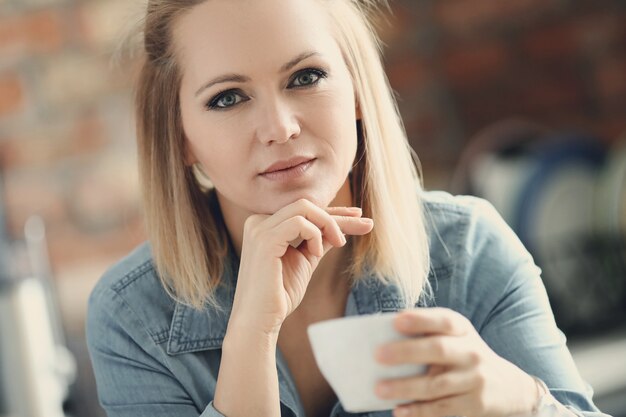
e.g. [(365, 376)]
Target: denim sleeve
[(507, 303), (131, 377)]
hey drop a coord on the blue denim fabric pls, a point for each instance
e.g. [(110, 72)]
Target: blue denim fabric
[(154, 357)]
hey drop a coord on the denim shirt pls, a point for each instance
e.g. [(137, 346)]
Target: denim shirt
[(154, 357)]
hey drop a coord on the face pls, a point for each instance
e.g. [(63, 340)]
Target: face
[(264, 82)]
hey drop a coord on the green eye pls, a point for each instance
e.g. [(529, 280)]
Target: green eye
[(307, 77), (226, 99)]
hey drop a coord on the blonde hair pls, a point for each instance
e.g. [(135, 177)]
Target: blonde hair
[(183, 221)]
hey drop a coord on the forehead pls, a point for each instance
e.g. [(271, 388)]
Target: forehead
[(243, 32)]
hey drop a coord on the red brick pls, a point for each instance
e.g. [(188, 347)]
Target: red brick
[(461, 15), (424, 129), (409, 72), (398, 27), (101, 24), (47, 144), (11, 94), (67, 243), (610, 78), (472, 64), (74, 79), (601, 33), (88, 134), (478, 110), (91, 202), (39, 32), (554, 42), (612, 127), (31, 192), (551, 95)]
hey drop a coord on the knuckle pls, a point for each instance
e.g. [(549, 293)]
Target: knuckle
[(299, 220), (415, 411), (480, 382), (440, 348), (440, 383), (343, 219), (474, 357), (303, 203), (442, 407), (465, 322), (398, 389), (410, 350), (448, 323), (249, 225)]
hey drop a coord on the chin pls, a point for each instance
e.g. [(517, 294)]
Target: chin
[(276, 203)]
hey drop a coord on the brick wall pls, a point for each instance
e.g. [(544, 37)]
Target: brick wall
[(67, 136), (66, 133), (459, 66), (66, 130)]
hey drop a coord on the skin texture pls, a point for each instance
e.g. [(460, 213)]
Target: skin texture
[(465, 376), (275, 118), (269, 113), (282, 230), (272, 114)]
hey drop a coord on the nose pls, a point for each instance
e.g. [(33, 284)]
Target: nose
[(276, 122)]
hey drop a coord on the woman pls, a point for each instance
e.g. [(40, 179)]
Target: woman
[(279, 191)]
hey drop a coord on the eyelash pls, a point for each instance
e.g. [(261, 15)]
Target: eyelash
[(213, 103)]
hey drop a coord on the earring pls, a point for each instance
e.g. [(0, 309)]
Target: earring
[(201, 176)]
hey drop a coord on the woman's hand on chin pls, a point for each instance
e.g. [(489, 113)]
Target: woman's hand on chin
[(279, 254)]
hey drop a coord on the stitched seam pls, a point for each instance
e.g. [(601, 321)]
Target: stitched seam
[(132, 276)]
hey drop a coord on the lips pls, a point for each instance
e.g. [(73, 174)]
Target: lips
[(287, 163)]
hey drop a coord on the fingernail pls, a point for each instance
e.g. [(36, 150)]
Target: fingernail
[(366, 220), (405, 321), (357, 210), (383, 390), (343, 239), (383, 353), (400, 412)]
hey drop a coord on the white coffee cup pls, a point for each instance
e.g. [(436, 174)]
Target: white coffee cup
[(345, 349)]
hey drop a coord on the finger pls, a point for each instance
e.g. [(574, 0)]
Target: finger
[(346, 217), (316, 215), (344, 211), (310, 254), (426, 350), (294, 228), (426, 387), (456, 405), (354, 225), (350, 220), (436, 320)]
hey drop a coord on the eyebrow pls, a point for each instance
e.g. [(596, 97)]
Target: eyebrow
[(232, 77)]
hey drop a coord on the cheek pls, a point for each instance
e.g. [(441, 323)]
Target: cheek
[(219, 162), (213, 144), (335, 112), (343, 122)]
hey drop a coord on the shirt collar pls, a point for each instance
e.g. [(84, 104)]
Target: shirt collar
[(193, 330)]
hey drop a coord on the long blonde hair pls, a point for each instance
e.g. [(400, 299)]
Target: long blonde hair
[(184, 224)]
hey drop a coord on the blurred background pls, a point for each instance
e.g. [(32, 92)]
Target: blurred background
[(522, 102)]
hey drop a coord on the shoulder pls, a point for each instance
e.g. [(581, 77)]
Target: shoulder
[(131, 295), (444, 211), (475, 255), (464, 225)]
